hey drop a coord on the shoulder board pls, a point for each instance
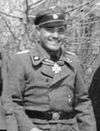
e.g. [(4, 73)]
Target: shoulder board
[(22, 52), (72, 59), (70, 53)]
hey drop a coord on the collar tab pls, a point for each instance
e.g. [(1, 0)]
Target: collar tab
[(36, 60)]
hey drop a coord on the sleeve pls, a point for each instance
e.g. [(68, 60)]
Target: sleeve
[(12, 95), (83, 106), (94, 92), (2, 118)]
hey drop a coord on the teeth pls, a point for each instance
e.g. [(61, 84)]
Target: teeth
[(51, 39)]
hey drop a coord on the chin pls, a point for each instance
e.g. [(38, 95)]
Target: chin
[(54, 48), (51, 46)]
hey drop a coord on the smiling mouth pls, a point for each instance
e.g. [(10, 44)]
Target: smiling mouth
[(55, 43), (54, 40)]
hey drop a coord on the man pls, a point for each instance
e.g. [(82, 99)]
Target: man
[(94, 92), (2, 118), (2, 111), (45, 88)]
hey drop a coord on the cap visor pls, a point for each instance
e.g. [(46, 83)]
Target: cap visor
[(51, 24)]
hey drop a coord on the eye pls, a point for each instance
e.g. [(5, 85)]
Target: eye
[(50, 29), (50, 38), (61, 29)]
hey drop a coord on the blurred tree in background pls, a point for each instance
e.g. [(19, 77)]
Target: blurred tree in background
[(17, 31)]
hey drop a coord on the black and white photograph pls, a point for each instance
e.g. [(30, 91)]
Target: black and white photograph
[(49, 65)]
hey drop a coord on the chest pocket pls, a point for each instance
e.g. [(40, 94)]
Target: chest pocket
[(61, 98)]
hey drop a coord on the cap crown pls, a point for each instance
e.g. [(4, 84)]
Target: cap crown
[(51, 17)]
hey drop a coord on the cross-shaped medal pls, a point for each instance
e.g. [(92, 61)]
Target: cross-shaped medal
[(56, 68)]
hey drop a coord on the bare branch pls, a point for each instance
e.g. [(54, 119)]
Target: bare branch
[(20, 11), (36, 4), (12, 33), (91, 22), (78, 7), (27, 18), (27, 11), (12, 16)]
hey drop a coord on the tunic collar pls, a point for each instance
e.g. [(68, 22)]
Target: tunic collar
[(39, 55)]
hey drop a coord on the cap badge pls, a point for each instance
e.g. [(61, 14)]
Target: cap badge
[(55, 16), (55, 116)]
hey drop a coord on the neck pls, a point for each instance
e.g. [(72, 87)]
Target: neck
[(54, 55)]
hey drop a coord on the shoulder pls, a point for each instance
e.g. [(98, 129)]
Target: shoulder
[(71, 58), (74, 62), (22, 52), (70, 53), (20, 57)]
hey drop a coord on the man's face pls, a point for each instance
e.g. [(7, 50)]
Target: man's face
[(51, 38)]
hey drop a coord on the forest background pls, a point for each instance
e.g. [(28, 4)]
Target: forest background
[(17, 31)]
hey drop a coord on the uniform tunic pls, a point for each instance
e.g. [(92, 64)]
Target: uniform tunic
[(94, 92), (34, 85), (2, 111)]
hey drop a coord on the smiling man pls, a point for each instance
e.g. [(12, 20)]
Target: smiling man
[(45, 89)]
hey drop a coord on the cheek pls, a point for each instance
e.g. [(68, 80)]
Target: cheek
[(45, 36), (62, 36)]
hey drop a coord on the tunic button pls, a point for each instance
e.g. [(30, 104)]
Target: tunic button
[(69, 98), (47, 80), (55, 116)]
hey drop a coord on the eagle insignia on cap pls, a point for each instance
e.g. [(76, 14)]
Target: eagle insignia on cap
[(55, 16)]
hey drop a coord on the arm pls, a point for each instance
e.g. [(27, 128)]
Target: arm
[(85, 115), (94, 92), (2, 118), (13, 86)]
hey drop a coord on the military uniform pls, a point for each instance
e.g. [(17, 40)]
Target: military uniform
[(39, 96), (47, 94), (2, 111), (94, 92), (2, 118)]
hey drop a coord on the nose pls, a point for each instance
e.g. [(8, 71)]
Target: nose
[(55, 35)]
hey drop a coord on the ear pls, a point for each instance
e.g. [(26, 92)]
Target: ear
[(38, 31), (37, 27)]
